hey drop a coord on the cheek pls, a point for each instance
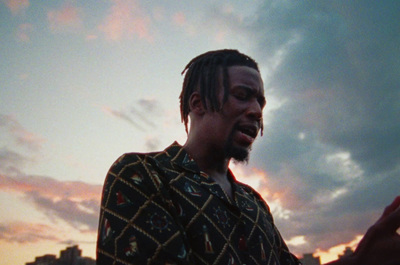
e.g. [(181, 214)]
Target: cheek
[(232, 115)]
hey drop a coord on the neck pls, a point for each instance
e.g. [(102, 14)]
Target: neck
[(211, 161)]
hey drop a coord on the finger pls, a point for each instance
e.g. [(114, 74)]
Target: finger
[(392, 207), (391, 216)]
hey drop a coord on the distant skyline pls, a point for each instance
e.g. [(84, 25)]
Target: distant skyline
[(82, 82), (76, 250), (69, 256)]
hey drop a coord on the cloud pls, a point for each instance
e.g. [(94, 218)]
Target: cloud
[(231, 23), (68, 18), (81, 214), (19, 134), (16, 6), (24, 31), (142, 115), (11, 162), (149, 104), (24, 233), (91, 37), (76, 203), (121, 115), (126, 20), (152, 143), (334, 252), (331, 145), (179, 18)]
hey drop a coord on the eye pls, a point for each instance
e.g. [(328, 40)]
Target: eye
[(241, 94)]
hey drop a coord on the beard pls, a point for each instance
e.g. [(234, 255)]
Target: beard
[(237, 153)]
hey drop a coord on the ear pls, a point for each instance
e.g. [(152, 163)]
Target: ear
[(195, 104)]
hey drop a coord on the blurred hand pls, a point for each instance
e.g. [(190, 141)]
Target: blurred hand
[(381, 244)]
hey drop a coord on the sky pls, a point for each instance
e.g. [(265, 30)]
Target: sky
[(82, 82)]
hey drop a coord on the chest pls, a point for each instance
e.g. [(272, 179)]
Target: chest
[(239, 229)]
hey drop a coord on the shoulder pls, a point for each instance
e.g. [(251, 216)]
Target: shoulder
[(134, 167), (250, 191), (130, 177), (130, 159), (142, 169), (128, 162), (135, 159)]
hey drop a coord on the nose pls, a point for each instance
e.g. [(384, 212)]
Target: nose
[(254, 111)]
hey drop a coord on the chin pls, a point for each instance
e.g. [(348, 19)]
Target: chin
[(239, 154)]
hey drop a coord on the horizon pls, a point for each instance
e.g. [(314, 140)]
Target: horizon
[(77, 246)]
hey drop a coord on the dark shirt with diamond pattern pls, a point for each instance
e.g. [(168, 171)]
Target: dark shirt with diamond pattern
[(159, 208)]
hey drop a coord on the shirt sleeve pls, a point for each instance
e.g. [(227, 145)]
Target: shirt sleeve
[(137, 223)]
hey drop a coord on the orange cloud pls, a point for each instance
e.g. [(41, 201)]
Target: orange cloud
[(126, 20), (259, 180), (333, 252), (68, 18), (51, 188), (16, 6), (91, 37)]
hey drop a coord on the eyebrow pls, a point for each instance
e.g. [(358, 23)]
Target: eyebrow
[(253, 91)]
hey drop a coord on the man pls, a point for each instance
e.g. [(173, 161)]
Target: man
[(184, 206)]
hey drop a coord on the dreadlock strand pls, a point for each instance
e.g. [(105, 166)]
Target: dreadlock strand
[(213, 83), (225, 76)]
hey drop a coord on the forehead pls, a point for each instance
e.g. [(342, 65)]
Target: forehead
[(245, 76)]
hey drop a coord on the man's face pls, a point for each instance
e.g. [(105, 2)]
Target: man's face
[(235, 127)]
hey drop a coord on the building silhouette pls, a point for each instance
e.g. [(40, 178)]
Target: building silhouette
[(73, 256), (69, 256), (309, 259), (347, 252)]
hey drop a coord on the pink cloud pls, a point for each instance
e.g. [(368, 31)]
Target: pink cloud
[(68, 18), (179, 18), (75, 202), (126, 20), (21, 232), (16, 6), (24, 31)]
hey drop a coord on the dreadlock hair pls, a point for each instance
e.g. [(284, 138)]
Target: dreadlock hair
[(202, 74)]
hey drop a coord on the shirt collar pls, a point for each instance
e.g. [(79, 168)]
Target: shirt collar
[(179, 158)]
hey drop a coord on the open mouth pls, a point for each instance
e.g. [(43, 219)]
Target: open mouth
[(248, 130)]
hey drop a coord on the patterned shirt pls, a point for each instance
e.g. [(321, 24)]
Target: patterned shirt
[(159, 208)]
